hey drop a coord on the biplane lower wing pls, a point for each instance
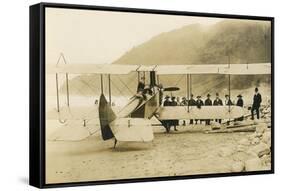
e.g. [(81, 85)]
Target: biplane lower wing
[(205, 112), (73, 113), (68, 132), (132, 130)]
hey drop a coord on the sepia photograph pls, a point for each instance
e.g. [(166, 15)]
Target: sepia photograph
[(134, 95)]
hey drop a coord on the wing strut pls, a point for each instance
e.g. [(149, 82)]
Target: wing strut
[(229, 86), (57, 88), (66, 78), (67, 88), (101, 83), (229, 91), (109, 89), (187, 89), (190, 87)]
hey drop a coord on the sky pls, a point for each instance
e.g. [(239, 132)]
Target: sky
[(100, 37)]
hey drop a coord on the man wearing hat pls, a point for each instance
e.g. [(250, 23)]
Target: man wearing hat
[(256, 104), (167, 101), (191, 102), (218, 102), (227, 100), (167, 123), (240, 103), (174, 123), (174, 102), (183, 103), (208, 101), (199, 104)]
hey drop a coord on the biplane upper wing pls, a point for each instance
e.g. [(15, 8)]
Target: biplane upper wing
[(189, 69), (234, 69), (247, 69), (91, 68)]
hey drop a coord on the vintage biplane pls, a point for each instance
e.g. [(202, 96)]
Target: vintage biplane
[(132, 123)]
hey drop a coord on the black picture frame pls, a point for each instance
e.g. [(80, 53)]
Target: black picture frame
[(37, 93)]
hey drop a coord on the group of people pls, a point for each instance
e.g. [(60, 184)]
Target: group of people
[(175, 101), (145, 90)]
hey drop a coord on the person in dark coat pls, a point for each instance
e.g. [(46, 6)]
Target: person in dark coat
[(167, 123), (141, 85), (208, 101), (174, 123), (257, 99), (191, 102), (167, 101), (218, 102), (227, 100), (240, 103), (199, 104), (183, 103)]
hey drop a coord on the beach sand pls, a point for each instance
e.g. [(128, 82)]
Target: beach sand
[(186, 152)]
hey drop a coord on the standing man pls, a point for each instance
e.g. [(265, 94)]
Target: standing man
[(191, 102), (167, 101), (218, 102), (240, 103), (167, 123), (208, 101), (256, 104), (178, 101), (199, 104), (175, 123), (227, 100), (183, 103)]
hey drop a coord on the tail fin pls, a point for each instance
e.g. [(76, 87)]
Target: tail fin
[(106, 116)]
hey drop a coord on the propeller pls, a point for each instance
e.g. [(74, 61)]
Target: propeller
[(171, 89)]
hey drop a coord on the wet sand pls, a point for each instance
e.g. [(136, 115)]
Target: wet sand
[(186, 152)]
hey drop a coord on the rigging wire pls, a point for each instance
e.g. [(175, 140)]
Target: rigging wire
[(180, 78), (125, 84)]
